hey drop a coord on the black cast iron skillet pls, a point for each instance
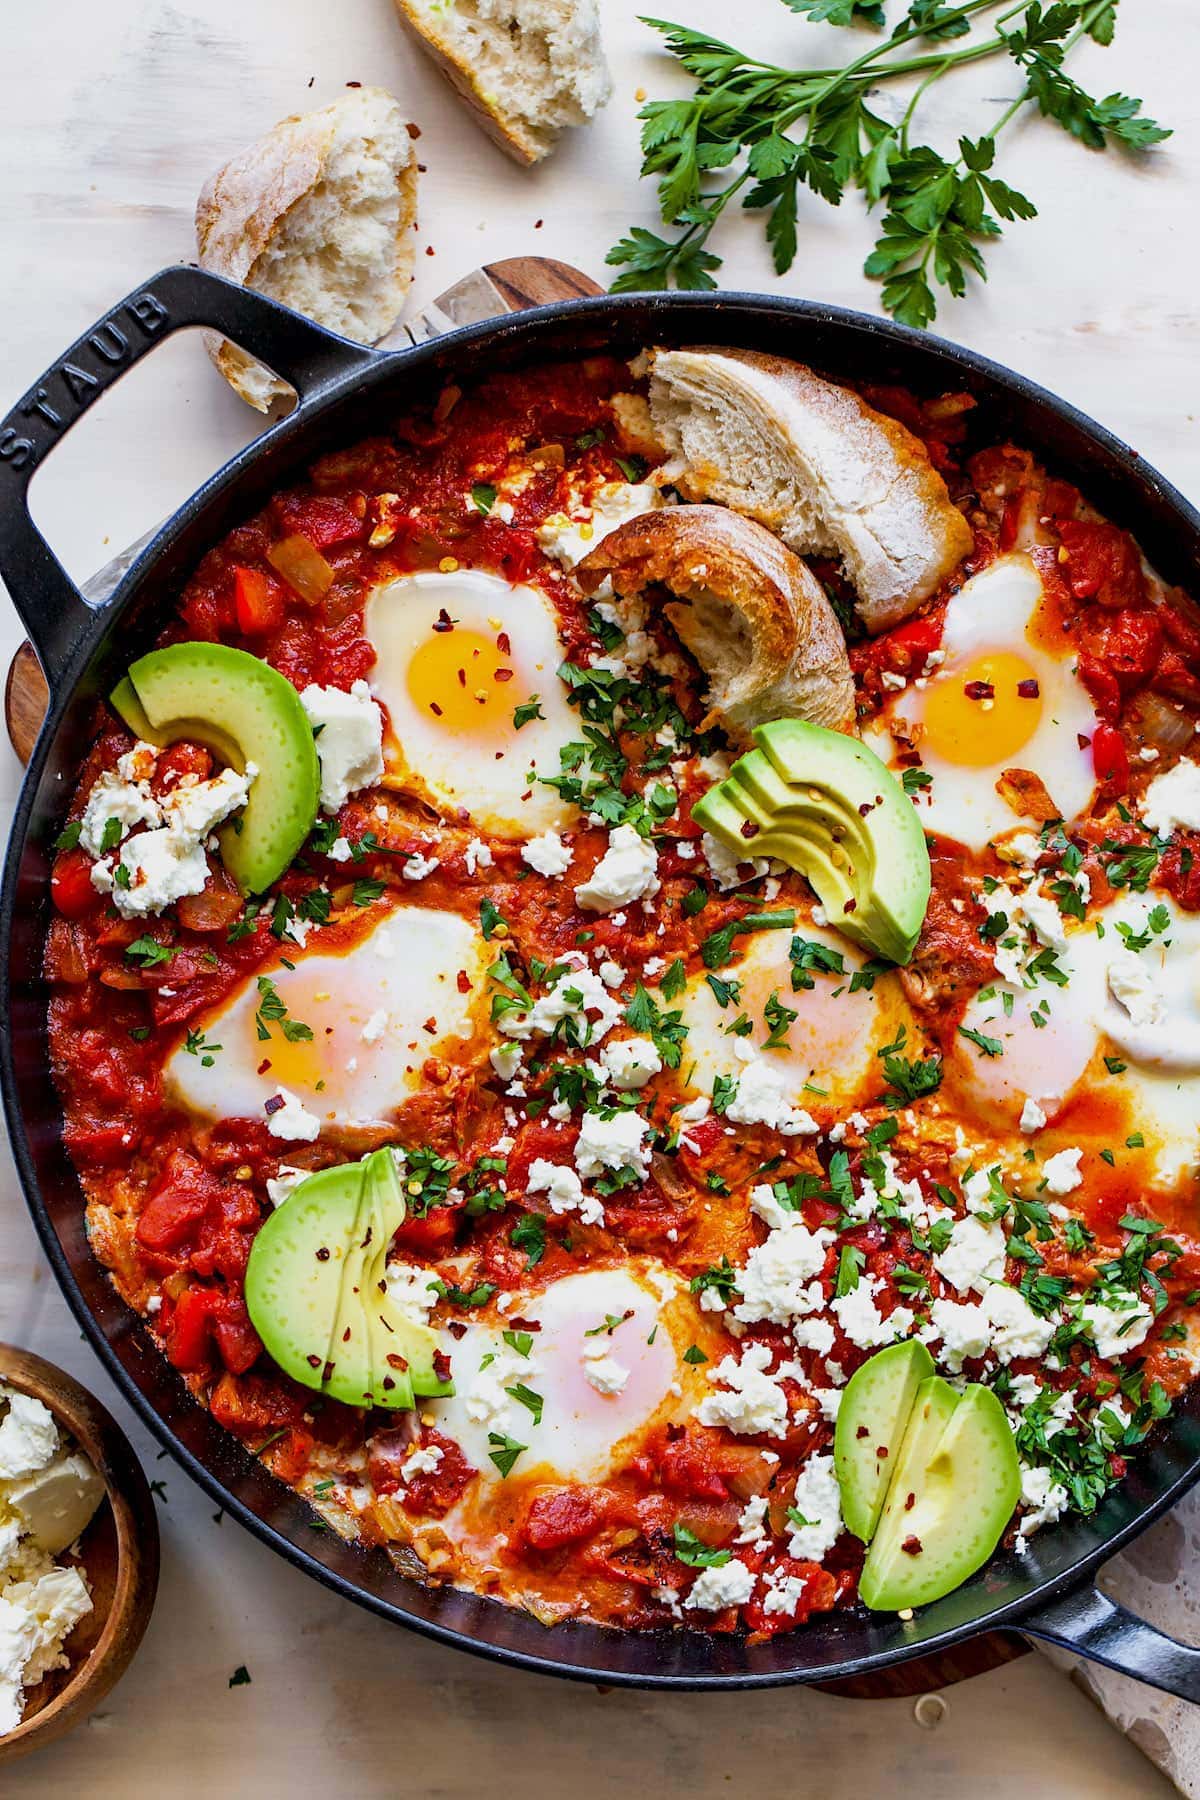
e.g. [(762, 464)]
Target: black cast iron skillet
[(346, 392)]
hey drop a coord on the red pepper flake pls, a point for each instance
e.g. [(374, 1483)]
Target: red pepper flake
[(1082, 740), (462, 678), (346, 1335), (430, 1025), (396, 1361), (979, 690), (322, 1254), (441, 1365), (414, 131), (429, 250), (274, 1104), (463, 982), (910, 1502), (850, 906), (314, 1362), (1029, 690), (862, 1432), (504, 644), (504, 674), (443, 622), (912, 1546), (881, 1453), (749, 829), (435, 708), (263, 1066)]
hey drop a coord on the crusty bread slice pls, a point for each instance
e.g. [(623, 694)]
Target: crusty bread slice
[(526, 68), (814, 463), (317, 214), (756, 619)]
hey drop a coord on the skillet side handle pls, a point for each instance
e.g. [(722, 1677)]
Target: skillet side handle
[(1092, 1626), (52, 609)]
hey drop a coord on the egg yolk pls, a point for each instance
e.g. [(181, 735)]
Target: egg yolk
[(983, 713), (463, 680)]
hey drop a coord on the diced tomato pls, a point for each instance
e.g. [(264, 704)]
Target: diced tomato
[(178, 760), (1103, 563), (259, 602), (322, 518), (432, 1235), (71, 884), (202, 1314), (1179, 873), (687, 1471), (182, 1199), (559, 1516), (1110, 758), (814, 1592), (432, 1492), (255, 1405), (237, 1340), (189, 1333)]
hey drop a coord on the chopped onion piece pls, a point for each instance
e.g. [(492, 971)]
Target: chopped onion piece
[(302, 567)]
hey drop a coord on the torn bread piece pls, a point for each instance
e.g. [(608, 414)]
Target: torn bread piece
[(318, 214), (815, 464), (756, 619), (526, 68)]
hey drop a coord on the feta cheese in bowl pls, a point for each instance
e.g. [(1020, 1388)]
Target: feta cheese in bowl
[(78, 1552)]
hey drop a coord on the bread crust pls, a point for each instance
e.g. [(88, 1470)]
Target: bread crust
[(754, 616), (903, 538), (509, 134), (242, 207)]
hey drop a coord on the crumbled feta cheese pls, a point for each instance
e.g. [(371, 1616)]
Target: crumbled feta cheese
[(1172, 801), (1116, 1330), (861, 1320), (1061, 1172), (603, 1372), (477, 855), (818, 1501), (813, 1334), (506, 1060), (411, 1290), (779, 1281), (604, 1144), (1132, 983), (28, 1435), (1016, 1330), (486, 1400), (974, 1257), (611, 973), (750, 1525), (564, 1189), (576, 993), (760, 1100), (339, 851), (547, 854), (349, 740), (423, 1459), (292, 1120), (729, 1584), (1032, 1116), (375, 1027), (417, 867), (630, 1062), (751, 1403), (1045, 1497), (567, 537), (725, 866), (122, 794), (965, 1332), (626, 872), (280, 1186)]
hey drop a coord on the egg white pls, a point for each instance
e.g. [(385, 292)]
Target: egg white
[(368, 1008), (467, 754), (581, 1429), (993, 613), (830, 1061)]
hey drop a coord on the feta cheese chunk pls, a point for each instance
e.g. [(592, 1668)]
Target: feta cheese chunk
[(630, 1062), (729, 1584), (1172, 801), (626, 872), (567, 538), (605, 1145), (1016, 1330), (760, 1100), (155, 867), (292, 1120), (1061, 1172), (603, 1372), (122, 794), (349, 729), (778, 1283), (1116, 1330), (28, 1435), (818, 1501), (974, 1257), (565, 1190), (751, 1402), (1032, 1116), (547, 854)]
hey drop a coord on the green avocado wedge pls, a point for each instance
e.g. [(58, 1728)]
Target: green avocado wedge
[(871, 1421), (956, 1482), (825, 805), (245, 712), (317, 1295)]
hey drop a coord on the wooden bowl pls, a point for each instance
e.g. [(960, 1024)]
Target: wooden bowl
[(118, 1552)]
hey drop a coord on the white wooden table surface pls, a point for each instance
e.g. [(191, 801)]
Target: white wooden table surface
[(111, 118)]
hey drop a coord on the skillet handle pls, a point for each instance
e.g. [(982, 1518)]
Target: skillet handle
[(53, 610), (1090, 1625)]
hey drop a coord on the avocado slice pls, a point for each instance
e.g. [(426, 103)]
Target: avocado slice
[(245, 712), (316, 1289), (956, 1483), (871, 1421), (825, 804)]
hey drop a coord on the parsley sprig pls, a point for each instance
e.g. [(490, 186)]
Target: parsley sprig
[(776, 130)]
